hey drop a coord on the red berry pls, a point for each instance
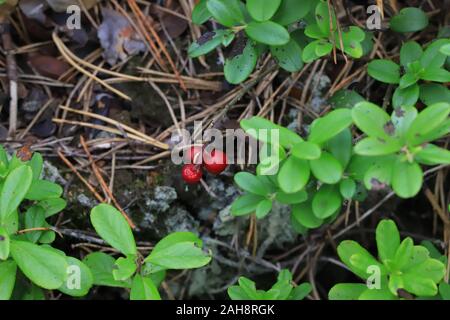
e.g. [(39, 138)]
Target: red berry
[(194, 155), (215, 162), (191, 173)]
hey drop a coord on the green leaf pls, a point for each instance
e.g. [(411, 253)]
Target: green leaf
[(436, 74), (348, 249), (34, 218), (324, 16), (291, 11), (80, 279), (43, 189), (268, 32), (345, 98), (4, 244), (226, 12), (379, 174), (404, 253), (309, 52), (433, 155), (371, 119), (14, 189), (291, 198), (265, 131), (263, 208), (388, 240), (201, 14), (43, 266), (7, 278), (351, 40), (251, 183), (306, 150), (262, 10), (245, 204), (346, 291), (409, 20), (52, 206), (377, 147), (432, 56), (427, 120), (294, 175), (288, 56), (406, 96), (384, 70), (408, 79), (36, 163), (109, 223), (323, 48), (431, 93), (207, 42), (327, 169), (406, 179), (143, 289), (102, 266), (179, 250), (241, 63), (326, 201), (303, 213), (124, 268), (444, 290), (423, 287), (300, 291), (347, 188), (340, 146), (401, 118), (411, 51), (325, 128)]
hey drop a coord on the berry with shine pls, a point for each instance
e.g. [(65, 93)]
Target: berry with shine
[(191, 173), (215, 162)]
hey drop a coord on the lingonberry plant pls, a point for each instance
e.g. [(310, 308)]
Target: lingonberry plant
[(316, 175), (28, 263), (283, 289), (402, 270), (196, 158), (143, 275), (415, 64), (294, 31)]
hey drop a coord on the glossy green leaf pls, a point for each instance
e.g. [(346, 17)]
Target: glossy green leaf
[(388, 240), (293, 175), (348, 249), (347, 188), (226, 12), (411, 51), (43, 266), (376, 147), (325, 128), (268, 32), (436, 74), (43, 189), (406, 179), (124, 268), (34, 218), (80, 279), (303, 213), (251, 183), (143, 289), (292, 10), (306, 150), (263, 208), (109, 223), (384, 70), (340, 146), (201, 14), (326, 201), (406, 97), (245, 204), (207, 42), (409, 20), (262, 10), (4, 244), (427, 120), (431, 93), (288, 56), (14, 190), (241, 64), (102, 266), (432, 56), (291, 198), (433, 155), (325, 18), (327, 168), (52, 206), (346, 291), (8, 271), (371, 119)]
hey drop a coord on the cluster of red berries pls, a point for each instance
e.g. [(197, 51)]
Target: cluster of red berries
[(214, 162)]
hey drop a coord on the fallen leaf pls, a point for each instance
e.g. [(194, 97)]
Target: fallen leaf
[(48, 66)]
